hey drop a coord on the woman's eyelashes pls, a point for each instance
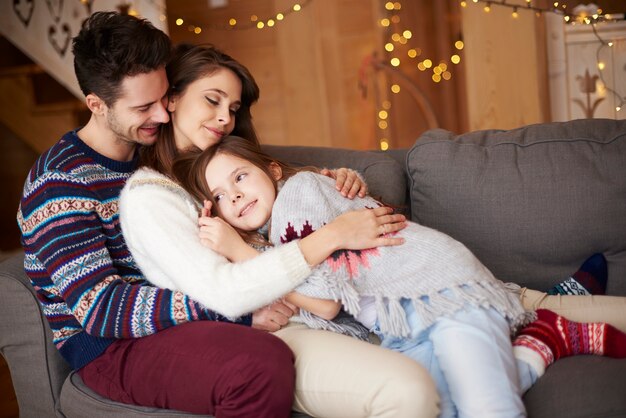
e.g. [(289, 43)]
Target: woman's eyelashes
[(212, 101), (233, 110)]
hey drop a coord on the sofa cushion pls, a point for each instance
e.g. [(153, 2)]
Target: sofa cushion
[(532, 203), (579, 387)]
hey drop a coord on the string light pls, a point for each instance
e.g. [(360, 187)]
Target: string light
[(601, 66), (397, 45), (253, 22), (560, 9)]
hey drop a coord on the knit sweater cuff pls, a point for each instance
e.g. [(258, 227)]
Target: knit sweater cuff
[(295, 262)]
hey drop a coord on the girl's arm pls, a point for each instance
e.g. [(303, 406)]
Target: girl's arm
[(324, 308)]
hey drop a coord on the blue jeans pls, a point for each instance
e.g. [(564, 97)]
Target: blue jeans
[(470, 358)]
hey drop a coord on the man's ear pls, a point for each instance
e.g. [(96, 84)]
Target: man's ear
[(276, 170), (171, 103), (95, 104)]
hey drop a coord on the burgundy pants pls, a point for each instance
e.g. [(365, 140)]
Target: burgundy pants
[(200, 367)]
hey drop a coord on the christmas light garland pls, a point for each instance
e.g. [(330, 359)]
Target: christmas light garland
[(251, 22)]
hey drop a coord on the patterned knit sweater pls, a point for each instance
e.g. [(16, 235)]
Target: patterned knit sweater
[(438, 273), (87, 282)]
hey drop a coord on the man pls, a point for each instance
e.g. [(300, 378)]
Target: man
[(130, 341)]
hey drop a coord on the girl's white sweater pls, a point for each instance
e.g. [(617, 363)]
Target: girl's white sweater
[(160, 224)]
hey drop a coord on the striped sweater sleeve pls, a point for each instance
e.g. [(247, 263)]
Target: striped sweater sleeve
[(81, 267)]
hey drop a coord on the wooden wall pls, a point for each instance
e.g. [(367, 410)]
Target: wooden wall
[(307, 68), (506, 68)]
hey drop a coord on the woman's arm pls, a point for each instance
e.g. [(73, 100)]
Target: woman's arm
[(324, 308), (160, 226)]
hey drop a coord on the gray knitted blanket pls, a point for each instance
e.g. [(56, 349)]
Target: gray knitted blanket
[(421, 269)]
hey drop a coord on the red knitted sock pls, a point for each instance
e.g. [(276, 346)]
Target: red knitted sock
[(552, 337)]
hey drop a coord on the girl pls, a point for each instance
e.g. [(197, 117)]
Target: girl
[(430, 298)]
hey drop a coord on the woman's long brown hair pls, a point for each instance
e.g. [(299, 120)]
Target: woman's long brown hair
[(188, 64)]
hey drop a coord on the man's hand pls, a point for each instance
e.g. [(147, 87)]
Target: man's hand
[(273, 317)]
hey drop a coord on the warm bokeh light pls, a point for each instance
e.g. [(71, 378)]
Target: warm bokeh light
[(382, 114), (384, 145), (455, 59), (297, 7), (395, 62), (395, 88), (179, 21), (388, 47)]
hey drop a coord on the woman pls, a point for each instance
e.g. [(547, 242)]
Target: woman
[(210, 96)]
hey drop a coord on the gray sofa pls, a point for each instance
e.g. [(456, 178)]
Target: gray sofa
[(532, 203)]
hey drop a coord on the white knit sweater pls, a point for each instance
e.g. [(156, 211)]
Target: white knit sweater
[(160, 225), (437, 272)]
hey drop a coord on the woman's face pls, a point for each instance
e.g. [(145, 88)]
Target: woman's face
[(205, 111), (244, 194)]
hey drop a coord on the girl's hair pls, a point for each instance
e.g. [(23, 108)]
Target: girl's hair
[(189, 170), (188, 64)]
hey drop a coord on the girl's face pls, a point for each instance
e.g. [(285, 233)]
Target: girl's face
[(205, 111), (244, 193)]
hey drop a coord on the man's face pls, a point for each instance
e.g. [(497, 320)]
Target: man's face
[(136, 115)]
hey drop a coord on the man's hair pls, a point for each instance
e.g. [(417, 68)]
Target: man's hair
[(111, 46)]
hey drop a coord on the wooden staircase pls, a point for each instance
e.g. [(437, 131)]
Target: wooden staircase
[(33, 105)]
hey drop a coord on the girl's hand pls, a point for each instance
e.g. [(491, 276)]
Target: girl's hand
[(222, 238), (348, 182)]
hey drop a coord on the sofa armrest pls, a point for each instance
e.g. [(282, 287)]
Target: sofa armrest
[(37, 369)]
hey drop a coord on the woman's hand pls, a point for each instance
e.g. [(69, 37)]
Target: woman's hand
[(355, 230), (368, 228), (221, 237), (348, 182)]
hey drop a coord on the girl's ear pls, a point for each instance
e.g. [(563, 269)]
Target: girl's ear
[(276, 170), (95, 104)]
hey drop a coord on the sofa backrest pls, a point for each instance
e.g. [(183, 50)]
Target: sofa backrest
[(532, 203), (384, 175)]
